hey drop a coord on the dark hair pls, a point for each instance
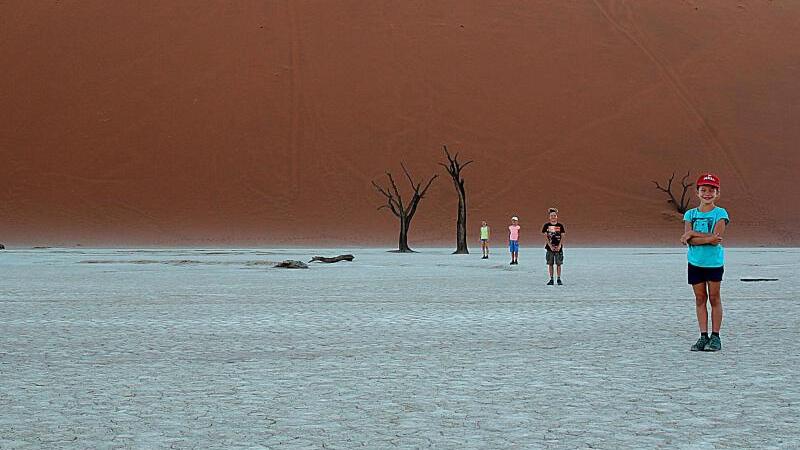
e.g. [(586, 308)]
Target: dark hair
[(552, 210)]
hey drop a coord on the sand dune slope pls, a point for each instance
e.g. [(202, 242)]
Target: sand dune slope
[(264, 122)]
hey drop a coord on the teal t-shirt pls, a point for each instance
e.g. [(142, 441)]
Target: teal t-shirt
[(706, 255)]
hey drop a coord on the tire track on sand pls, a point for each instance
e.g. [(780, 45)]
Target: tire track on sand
[(681, 91)]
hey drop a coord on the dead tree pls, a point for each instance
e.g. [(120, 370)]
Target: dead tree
[(683, 204), (403, 211), (454, 168)]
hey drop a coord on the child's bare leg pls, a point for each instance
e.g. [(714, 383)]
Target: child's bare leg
[(558, 270), (550, 270), (716, 305), (700, 300)]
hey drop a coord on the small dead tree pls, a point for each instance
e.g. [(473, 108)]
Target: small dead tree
[(682, 205), (403, 211), (454, 168)]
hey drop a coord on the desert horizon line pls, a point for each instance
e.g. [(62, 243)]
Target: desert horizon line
[(388, 248)]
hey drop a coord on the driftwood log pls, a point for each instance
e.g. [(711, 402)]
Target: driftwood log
[(291, 264), (332, 260)]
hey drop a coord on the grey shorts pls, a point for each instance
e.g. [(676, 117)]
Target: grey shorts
[(556, 258)]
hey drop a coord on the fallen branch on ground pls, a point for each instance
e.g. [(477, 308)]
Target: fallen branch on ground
[(332, 260)]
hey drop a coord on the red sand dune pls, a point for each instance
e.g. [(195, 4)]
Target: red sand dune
[(263, 123)]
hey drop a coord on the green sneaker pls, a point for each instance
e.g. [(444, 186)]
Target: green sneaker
[(714, 344), (700, 345)]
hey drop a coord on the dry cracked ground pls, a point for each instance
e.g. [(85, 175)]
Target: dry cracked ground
[(127, 349)]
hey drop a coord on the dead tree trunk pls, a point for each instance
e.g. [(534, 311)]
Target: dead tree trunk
[(403, 212), (454, 168), (335, 259), (682, 205)]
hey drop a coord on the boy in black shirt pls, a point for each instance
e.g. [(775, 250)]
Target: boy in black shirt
[(553, 232)]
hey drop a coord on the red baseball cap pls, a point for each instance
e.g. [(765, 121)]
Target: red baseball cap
[(708, 179)]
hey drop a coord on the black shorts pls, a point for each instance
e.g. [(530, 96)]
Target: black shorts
[(703, 274)]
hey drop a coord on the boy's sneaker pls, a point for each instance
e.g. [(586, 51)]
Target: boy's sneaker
[(700, 345), (550, 283), (559, 282), (714, 344)]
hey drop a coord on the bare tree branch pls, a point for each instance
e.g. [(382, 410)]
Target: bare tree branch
[(447, 152), (668, 189), (416, 188), (396, 191), (391, 201), (412, 207), (427, 186), (684, 200), (454, 167), (380, 189)]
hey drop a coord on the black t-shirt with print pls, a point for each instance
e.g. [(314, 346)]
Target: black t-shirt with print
[(553, 232)]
